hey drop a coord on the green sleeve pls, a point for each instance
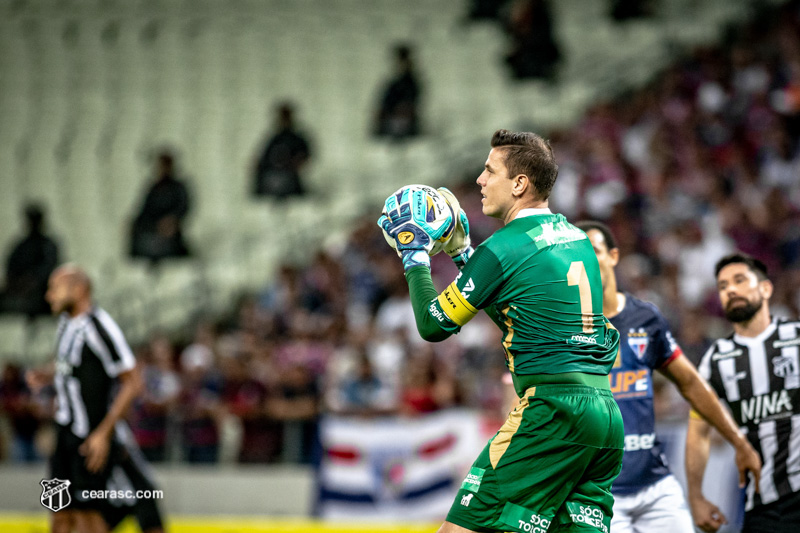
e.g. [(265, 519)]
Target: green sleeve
[(423, 294), (493, 314), (490, 310), (479, 281)]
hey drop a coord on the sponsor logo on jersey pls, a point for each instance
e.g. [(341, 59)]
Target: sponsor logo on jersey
[(635, 443), (434, 311), (589, 515), (536, 524), (638, 341), (775, 404), (725, 355), (473, 480), (524, 519), (585, 339), (785, 343), (784, 366), (466, 498), (630, 383), (468, 288), (549, 234), (673, 346)]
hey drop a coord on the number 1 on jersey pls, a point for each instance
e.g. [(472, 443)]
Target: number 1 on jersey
[(577, 276)]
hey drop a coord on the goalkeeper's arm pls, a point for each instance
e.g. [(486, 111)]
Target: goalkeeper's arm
[(423, 296), (405, 230)]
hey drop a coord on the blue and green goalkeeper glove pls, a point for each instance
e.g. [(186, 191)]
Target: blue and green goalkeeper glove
[(398, 221)]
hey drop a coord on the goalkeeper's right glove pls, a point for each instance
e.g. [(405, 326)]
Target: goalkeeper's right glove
[(458, 247), (403, 232)]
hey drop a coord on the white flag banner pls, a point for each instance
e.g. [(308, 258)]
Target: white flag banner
[(396, 468)]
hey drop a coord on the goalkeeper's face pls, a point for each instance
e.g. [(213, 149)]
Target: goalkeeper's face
[(497, 196)]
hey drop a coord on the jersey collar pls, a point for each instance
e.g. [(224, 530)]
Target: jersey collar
[(78, 320), (532, 211), (761, 337)]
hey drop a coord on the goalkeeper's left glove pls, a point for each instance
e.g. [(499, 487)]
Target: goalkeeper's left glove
[(411, 242), (458, 247)]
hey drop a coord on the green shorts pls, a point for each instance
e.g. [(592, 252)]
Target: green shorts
[(549, 468)]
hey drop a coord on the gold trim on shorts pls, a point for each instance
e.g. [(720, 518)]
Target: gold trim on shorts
[(502, 440)]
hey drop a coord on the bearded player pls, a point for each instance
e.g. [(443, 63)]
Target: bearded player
[(755, 370), (551, 465), (647, 497)]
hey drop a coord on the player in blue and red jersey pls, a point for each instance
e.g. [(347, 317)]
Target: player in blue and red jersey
[(647, 498)]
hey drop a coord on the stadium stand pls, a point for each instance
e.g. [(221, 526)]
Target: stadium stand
[(169, 77), (92, 87)]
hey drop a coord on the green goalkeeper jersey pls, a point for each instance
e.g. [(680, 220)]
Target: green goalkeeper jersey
[(539, 280)]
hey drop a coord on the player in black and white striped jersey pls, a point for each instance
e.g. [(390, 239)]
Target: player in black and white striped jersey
[(757, 372), (96, 381)]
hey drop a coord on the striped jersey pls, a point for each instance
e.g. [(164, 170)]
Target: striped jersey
[(759, 378), (90, 353)]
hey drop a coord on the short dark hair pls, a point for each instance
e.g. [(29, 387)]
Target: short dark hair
[(529, 154), (608, 236), (755, 265)]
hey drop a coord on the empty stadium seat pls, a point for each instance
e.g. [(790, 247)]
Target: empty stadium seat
[(90, 88)]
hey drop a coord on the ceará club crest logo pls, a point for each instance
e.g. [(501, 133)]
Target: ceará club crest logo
[(55, 494)]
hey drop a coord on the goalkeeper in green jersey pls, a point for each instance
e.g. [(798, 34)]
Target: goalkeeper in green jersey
[(551, 464)]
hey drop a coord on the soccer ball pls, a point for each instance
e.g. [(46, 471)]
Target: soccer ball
[(430, 210)]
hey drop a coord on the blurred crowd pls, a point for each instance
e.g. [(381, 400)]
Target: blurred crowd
[(702, 161)]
